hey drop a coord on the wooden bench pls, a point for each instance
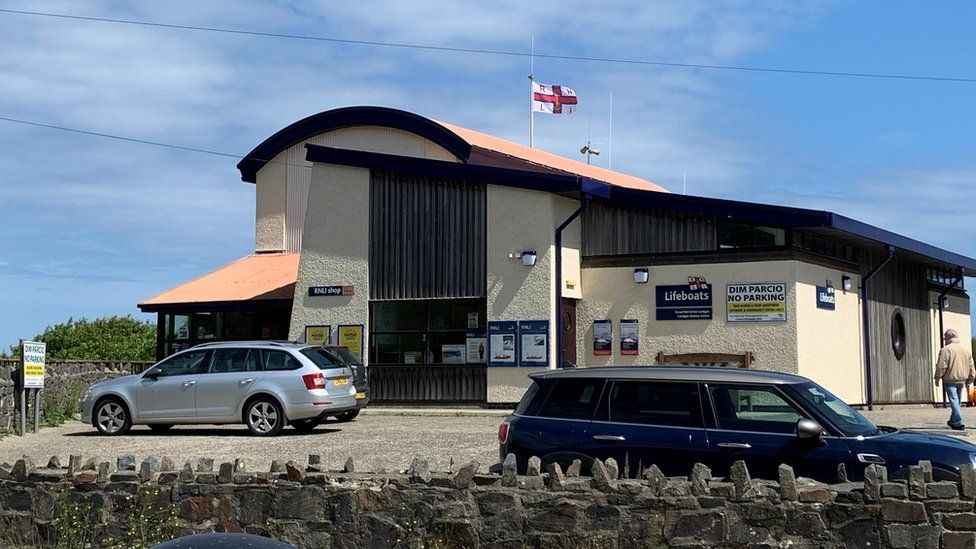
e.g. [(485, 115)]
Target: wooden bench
[(743, 360)]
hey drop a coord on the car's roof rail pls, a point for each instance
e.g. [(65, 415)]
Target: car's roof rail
[(277, 343)]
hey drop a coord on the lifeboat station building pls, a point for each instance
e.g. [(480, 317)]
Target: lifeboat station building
[(455, 263)]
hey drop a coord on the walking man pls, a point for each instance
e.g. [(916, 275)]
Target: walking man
[(955, 370)]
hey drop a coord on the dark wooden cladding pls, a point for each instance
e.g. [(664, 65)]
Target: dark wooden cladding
[(419, 383), (902, 286), (613, 230), (427, 237)]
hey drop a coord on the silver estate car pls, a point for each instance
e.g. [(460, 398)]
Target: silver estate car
[(261, 384)]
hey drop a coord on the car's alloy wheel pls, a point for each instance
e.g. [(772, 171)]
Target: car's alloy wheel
[(112, 418), (265, 418)]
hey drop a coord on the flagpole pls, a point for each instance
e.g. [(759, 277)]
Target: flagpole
[(610, 146), (531, 91)]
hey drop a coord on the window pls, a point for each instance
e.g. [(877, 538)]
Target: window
[(824, 246), (234, 360), (279, 360), (845, 418), (655, 403), (189, 363), (420, 331), (945, 277), (741, 235), (527, 399), (898, 334), (753, 408), (321, 357), (572, 399)]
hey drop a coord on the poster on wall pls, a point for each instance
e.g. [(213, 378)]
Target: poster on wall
[(351, 337), (826, 299), (318, 335), (534, 336), (602, 337), (629, 337), (756, 302), (453, 353), (33, 355), (692, 301), (502, 345), (476, 346)]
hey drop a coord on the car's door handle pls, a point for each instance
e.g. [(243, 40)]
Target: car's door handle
[(189, 383), (609, 438), (734, 445), (246, 381)]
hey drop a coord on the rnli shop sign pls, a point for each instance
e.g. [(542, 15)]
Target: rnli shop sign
[(756, 302), (692, 301)]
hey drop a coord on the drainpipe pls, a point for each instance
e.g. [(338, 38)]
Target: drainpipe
[(584, 203), (942, 329), (890, 253), (942, 296)]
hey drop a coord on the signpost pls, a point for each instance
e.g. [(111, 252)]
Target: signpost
[(32, 360)]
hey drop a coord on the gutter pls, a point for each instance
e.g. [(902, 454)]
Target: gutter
[(890, 254)]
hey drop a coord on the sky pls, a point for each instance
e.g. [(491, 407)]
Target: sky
[(92, 226)]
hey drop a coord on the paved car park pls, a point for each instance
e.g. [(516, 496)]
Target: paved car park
[(380, 437)]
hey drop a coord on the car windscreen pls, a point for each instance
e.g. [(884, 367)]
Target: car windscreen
[(842, 416)]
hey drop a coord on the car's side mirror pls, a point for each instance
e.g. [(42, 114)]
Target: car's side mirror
[(807, 429), (154, 372)]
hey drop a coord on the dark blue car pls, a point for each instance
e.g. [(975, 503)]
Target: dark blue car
[(676, 416)]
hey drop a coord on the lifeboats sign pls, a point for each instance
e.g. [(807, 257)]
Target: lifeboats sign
[(756, 302), (692, 301), (33, 354)]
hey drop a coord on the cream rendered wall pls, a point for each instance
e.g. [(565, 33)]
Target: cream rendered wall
[(830, 344), (611, 293), (335, 251), (283, 183), (269, 198), (520, 220)]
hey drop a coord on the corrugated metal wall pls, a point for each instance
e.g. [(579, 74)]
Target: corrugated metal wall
[(900, 285), (427, 237), (614, 230)]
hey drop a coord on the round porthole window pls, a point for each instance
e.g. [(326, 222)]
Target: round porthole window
[(898, 334)]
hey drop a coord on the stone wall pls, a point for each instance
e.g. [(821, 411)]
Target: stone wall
[(62, 381), (310, 506)]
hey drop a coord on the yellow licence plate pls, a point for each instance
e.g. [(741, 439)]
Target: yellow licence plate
[(360, 395), (341, 380)]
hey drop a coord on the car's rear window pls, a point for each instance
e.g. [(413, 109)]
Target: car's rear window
[(321, 357), (573, 399), (528, 398)]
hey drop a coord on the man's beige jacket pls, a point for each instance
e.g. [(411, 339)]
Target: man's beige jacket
[(955, 363)]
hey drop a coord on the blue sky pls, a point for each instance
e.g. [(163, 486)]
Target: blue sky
[(90, 226)]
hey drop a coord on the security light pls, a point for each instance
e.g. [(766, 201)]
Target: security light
[(528, 258), (846, 283), (640, 275)]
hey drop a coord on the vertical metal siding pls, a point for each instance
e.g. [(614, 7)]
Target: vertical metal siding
[(901, 285), (297, 182), (616, 230), (427, 237)]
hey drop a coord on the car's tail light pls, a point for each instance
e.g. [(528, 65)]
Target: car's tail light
[(314, 381), (503, 433)]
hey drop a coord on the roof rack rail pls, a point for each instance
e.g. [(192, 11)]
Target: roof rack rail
[(276, 342)]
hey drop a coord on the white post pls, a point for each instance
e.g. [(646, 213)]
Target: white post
[(531, 91), (610, 145)]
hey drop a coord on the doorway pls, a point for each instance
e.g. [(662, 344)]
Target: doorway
[(569, 331)]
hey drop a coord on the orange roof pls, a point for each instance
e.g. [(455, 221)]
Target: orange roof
[(550, 160), (259, 276)]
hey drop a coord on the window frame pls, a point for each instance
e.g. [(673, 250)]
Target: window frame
[(213, 359), (600, 391), (604, 406)]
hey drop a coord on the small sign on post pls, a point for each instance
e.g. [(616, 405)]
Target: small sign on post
[(32, 361)]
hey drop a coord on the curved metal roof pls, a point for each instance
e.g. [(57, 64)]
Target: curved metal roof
[(675, 373)]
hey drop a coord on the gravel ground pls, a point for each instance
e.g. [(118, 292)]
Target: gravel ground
[(385, 439), (380, 437)]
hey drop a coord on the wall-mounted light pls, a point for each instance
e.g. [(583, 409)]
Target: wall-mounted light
[(640, 275), (528, 258), (945, 303), (846, 283)]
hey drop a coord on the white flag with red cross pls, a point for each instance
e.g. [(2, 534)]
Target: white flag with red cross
[(553, 99)]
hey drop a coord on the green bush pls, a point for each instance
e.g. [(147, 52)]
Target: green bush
[(109, 338)]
